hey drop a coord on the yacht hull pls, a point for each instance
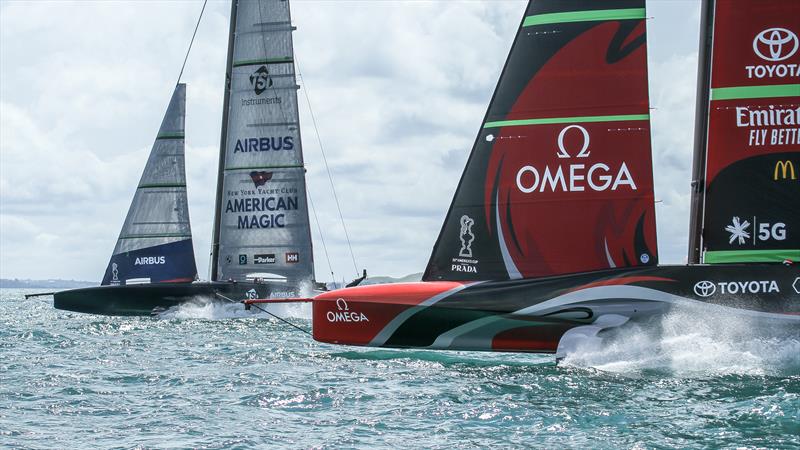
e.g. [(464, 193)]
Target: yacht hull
[(145, 299), (535, 315)]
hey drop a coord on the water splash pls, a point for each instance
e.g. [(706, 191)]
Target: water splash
[(694, 341), (210, 309)]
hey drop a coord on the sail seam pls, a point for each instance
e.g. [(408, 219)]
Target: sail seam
[(739, 92), (557, 120), (170, 136), (150, 186), (584, 16), (146, 236), (296, 166), (253, 62)]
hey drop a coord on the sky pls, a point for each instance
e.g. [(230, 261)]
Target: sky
[(398, 90)]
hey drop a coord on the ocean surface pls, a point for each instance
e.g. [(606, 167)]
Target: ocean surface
[(215, 376)]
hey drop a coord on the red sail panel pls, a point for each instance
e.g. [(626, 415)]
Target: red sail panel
[(752, 212), (560, 178)]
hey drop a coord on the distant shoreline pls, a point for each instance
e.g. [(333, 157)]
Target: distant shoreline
[(15, 283)]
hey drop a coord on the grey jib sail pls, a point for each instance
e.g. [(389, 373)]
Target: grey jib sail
[(155, 244), (262, 215)]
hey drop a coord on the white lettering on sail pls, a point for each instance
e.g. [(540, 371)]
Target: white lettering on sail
[(598, 178), (574, 177)]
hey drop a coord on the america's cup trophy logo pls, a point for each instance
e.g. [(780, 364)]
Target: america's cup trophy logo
[(466, 237), (114, 273)]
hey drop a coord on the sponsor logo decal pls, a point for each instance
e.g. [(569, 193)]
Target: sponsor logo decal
[(707, 288), (292, 257), (264, 144), (770, 125), (242, 260), (785, 169), (574, 177), (796, 285), (464, 262), (740, 233), (262, 207), (252, 294), (260, 178), (774, 45), (114, 273), (150, 260), (264, 259), (260, 80), (343, 313)]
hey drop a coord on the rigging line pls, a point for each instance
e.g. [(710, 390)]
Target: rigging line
[(192, 41), (264, 310), (325, 159), (321, 236)]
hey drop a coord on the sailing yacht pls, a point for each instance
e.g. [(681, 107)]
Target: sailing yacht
[(262, 239), (551, 235)]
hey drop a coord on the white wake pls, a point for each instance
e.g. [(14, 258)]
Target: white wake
[(211, 309), (694, 341)]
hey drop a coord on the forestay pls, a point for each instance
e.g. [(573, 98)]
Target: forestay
[(155, 244), (263, 226)]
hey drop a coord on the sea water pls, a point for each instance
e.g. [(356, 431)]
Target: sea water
[(215, 376)]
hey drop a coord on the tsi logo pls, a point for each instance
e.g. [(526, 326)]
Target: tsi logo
[(149, 260), (774, 45), (343, 313)]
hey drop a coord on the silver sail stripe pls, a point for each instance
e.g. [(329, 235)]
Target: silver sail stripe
[(399, 319), (608, 254), (584, 297), (511, 268), (293, 166)]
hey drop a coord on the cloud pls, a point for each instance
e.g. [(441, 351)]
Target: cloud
[(398, 91)]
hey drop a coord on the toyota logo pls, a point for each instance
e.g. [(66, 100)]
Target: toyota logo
[(775, 44), (705, 288)]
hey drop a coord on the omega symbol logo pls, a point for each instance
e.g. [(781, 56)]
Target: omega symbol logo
[(562, 151), (341, 305), (775, 44), (705, 288)]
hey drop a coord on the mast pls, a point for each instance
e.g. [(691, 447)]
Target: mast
[(222, 144), (701, 132)]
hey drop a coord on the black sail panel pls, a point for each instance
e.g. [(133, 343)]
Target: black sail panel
[(560, 176)]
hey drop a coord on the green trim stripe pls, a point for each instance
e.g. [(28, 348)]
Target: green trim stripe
[(554, 120), (736, 256), (732, 93), (176, 135), (145, 236), (265, 167), (584, 16), (253, 62), (162, 185)]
